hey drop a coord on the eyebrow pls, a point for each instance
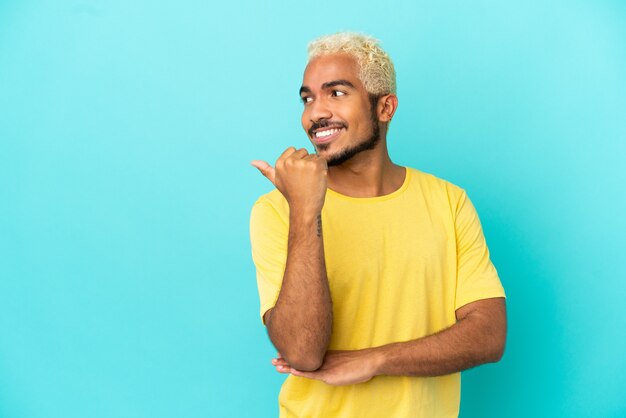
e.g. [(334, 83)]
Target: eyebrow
[(327, 85)]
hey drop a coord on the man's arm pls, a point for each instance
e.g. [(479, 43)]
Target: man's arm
[(477, 337), (299, 325)]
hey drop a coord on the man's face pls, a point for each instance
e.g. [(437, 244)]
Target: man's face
[(338, 115)]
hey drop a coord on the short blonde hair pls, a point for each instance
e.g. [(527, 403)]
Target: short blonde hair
[(376, 70)]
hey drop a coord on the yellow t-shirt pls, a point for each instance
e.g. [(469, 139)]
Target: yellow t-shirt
[(398, 267)]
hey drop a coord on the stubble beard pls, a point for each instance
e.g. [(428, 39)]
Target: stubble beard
[(365, 145)]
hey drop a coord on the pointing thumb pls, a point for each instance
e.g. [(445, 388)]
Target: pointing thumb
[(265, 169)]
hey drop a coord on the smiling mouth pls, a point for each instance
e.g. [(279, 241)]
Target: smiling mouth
[(326, 132), (326, 135)]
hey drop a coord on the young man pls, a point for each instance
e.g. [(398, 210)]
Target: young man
[(375, 280)]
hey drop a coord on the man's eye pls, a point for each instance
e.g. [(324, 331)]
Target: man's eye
[(306, 99), (338, 93)]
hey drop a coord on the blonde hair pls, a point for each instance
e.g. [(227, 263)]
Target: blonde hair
[(376, 70)]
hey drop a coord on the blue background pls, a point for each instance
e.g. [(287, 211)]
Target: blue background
[(126, 130)]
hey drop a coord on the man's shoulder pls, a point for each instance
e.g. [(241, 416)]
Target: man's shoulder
[(274, 202), (430, 183), (272, 198)]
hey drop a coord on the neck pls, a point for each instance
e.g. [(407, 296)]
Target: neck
[(368, 174)]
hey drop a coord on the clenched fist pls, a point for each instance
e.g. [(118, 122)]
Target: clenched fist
[(301, 177)]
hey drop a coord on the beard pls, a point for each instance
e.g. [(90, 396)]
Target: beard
[(364, 145)]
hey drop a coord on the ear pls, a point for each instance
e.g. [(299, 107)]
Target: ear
[(386, 107)]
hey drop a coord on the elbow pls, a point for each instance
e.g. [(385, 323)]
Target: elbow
[(305, 362), (306, 365), (304, 351), (302, 355), (495, 352), (496, 342), (490, 349)]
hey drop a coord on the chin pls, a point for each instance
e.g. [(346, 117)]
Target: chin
[(323, 151)]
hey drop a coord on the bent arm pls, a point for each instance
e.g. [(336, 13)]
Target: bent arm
[(477, 337), (300, 323)]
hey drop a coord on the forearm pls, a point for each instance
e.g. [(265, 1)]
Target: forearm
[(471, 341), (300, 323)]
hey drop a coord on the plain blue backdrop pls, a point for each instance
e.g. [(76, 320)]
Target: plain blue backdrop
[(126, 130)]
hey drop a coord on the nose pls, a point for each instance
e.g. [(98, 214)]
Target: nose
[(319, 110)]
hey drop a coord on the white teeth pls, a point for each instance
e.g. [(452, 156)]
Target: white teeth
[(328, 132)]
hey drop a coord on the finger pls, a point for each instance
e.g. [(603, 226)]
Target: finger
[(265, 169), (308, 375), (279, 362), (311, 157), (299, 154), (315, 157), (283, 369), (286, 154)]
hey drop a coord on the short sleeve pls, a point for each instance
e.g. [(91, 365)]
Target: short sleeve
[(477, 277), (268, 239)]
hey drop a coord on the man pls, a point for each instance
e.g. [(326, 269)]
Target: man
[(375, 280)]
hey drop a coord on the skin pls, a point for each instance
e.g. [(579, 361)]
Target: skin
[(300, 323), (476, 338)]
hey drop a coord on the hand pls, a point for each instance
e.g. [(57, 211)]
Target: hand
[(339, 367), (301, 177)]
